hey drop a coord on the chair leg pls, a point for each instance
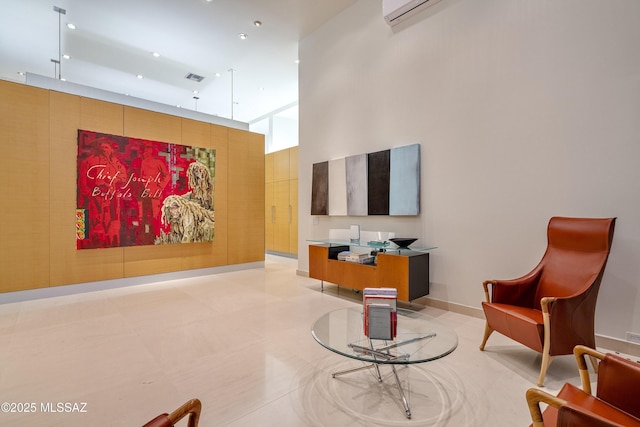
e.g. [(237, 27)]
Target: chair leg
[(488, 330), (546, 361)]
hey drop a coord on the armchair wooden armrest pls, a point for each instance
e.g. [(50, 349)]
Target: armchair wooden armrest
[(534, 398), (192, 408), (580, 351), (520, 291)]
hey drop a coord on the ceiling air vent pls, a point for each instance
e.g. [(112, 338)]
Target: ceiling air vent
[(194, 77)]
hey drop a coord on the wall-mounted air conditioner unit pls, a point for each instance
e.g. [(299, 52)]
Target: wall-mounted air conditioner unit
[(396, 11)]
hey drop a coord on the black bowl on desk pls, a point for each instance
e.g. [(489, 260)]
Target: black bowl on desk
[(403, 242)]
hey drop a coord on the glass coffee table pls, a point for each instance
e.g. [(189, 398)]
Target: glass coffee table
[(420, 338)]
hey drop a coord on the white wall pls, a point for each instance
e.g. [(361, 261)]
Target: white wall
[(525, 109)]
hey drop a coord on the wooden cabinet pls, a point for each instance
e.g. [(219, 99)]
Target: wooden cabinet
[(405, 270), (281, 201)]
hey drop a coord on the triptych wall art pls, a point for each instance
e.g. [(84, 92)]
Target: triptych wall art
[(382, 183), (133, 192)]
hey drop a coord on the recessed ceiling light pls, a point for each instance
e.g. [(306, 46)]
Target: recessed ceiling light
[(243, 36), (22, 73), (71, 26), (196, 92), (257, 23), (65, 56), (156, 54), (297, 61), (140, 76), (218, 74)]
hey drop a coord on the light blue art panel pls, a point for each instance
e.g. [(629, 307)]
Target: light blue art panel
[(356, 174), (337, 187), (404, 176)]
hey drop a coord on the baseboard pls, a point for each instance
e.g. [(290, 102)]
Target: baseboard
[(56, 291), (618, 345), (282, 254), (453, 307)]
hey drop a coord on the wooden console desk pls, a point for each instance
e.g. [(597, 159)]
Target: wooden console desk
[(404, 269)]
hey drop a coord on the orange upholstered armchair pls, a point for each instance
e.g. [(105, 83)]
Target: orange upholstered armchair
[(192, 408), (615, 402), (552, 309)]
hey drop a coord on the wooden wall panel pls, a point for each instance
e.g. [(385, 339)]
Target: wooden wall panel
[(151, 125), (282, 214), (281, 201), (269, 166), (68, 114), (246, 197), (101, 116), (293, 163), (281, 160), (24, 173), (202, 255)]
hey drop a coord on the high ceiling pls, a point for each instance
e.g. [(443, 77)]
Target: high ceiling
[(114, 42)]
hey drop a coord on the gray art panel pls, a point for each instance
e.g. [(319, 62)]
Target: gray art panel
[(404, 191), (356, 173)]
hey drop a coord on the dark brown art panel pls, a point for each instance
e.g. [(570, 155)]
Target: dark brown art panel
[(320, 189), (378, 182)]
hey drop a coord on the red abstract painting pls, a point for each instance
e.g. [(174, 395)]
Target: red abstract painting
[(138, 192)]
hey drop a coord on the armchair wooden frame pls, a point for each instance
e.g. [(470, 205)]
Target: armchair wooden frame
[(581, 411), (192, 408)]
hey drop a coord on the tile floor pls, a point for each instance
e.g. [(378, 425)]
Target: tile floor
[(241, 343)]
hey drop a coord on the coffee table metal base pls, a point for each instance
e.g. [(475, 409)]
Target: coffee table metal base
[(377, 368)]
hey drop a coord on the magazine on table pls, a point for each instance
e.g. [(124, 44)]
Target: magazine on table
[(380, 313)]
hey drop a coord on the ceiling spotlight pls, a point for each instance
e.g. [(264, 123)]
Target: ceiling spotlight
[(71, 26), (66, 56), (257, 23), (196, 92), (22, 73), (297, 61), (243, 36)]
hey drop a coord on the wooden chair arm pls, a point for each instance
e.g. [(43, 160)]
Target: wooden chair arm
[(546, 302), (534, 398), (485, 286), (580, 351), (191, 408)]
